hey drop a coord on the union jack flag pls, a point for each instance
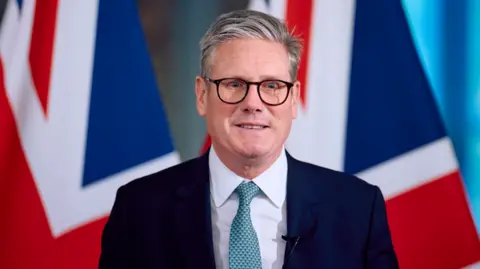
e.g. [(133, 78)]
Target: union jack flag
[(80, 115), (367, 109)]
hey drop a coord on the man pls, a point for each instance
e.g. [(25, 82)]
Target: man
[(247, 203)]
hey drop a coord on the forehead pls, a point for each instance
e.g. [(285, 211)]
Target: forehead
[(250, 59)]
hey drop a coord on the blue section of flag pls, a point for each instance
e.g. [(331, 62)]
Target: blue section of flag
[(20, 3), (391, 107), (127, 124)]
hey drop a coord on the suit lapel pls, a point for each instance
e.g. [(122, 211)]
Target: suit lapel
[(305, 217), (299, 200), (193, 219)]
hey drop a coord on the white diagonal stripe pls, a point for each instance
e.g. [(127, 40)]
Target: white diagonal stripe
[(413, 169), (96, 201), (9, 32), (473, 266)]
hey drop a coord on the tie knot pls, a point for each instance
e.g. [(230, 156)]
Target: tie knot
[(246, 191)]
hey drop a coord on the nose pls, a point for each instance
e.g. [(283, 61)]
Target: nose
[(252, 102)]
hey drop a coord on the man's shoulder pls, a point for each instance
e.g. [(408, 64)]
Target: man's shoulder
[(339, 182), (164, 181), (339, 191)]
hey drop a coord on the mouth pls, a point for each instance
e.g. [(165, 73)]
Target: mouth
[(252, 126)]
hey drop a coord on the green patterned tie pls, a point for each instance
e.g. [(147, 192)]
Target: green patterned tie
[(244, 251)]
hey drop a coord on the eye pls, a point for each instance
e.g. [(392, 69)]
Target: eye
[(234, 83), (272, 84)]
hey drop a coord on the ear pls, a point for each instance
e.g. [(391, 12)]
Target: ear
[(295, 99), (201, 95)]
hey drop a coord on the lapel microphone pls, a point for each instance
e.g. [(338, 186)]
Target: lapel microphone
[(293, 240)]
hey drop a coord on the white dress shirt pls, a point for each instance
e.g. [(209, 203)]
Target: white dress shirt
[(268, 210)]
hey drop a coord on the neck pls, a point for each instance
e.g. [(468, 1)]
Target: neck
[(247, 167)]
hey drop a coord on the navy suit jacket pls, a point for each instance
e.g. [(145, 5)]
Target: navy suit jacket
[(163, 221)]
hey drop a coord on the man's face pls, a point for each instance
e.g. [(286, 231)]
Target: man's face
[(228, 124)]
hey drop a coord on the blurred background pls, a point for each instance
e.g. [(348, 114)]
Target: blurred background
[(156, 43), (173, 30)]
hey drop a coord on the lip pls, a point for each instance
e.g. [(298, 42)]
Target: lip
[(265, 126), (252, 123)]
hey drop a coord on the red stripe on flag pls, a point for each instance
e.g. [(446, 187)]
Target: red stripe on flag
[(432, 226), (299, 17), (26, 239), (41, 47), (206, 144), (8, 152)]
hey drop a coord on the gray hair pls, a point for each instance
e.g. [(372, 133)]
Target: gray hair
[(249, 24)]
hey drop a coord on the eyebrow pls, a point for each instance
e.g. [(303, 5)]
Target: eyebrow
[(262, 78)]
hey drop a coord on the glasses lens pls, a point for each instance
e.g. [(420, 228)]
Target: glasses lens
[(273, 92), (232, 90)]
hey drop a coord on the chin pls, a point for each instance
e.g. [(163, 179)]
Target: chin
[(253, 151)]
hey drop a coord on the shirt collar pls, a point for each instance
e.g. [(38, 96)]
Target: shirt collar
[(272, 182)]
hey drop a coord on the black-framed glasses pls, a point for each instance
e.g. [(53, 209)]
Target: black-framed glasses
[(272, 92)]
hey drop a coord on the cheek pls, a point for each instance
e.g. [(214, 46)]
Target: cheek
[(282, 117), (219, 115), (294, 111)]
